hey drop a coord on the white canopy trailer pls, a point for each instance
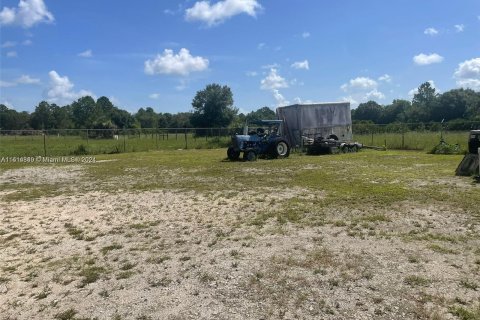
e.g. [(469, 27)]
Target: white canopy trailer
[(330, 119)]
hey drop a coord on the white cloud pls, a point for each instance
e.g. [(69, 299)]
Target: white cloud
[(270, 66), (425, 59), (261, 45), (9, 44), (279, 98), (26, 79), (352, 101), (459, 27), (385, 78), (61, 89), (221, 10), (295, 82), (6, 84), (362, 89), (374, 94), (27, 42), (86, 54), (299, 100), (181, 64), (273, 81), (361, 83), (12, 54), (467, 74), (27, 14), (301, 65), (431, 31), (305, 35), (154, 96), (251, 73), (7, 16)]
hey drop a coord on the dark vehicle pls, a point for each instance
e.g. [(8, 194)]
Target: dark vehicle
[(474, 141), (330, 145), (470, 163), (266, 141)]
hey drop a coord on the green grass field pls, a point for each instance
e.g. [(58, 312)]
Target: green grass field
[(68, 145), (54, 145)]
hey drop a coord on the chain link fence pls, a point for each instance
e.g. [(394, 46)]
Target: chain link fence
[(19, 143)]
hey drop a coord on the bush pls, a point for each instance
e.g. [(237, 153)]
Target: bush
[(81, 150), (445, 148)]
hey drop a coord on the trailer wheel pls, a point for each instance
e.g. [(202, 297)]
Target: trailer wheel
[(233, 154), (249, 155), (281, 149)]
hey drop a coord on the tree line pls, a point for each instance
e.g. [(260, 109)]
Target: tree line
[(457, 106), (214, 107)]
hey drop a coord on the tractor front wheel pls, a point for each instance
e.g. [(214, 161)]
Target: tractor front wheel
[(250, 155), (233, 154), (281, 149)]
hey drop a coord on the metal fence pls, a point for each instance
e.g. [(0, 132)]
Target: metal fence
[(19, 143), (107, 141)]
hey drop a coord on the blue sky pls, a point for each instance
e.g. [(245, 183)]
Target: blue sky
[(158, 54)]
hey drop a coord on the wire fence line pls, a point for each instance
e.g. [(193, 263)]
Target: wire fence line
[(108, 141)]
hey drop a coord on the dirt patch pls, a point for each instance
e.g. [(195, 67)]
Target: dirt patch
[(171, 254), (42, 175)]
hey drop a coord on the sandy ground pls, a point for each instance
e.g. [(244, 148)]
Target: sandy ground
[(167, 254)]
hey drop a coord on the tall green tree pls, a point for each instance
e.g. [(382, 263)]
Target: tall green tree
[(147, 118), (12, 120), (457, 104), (122, 118), (213, 107), (62, 117), (395, 112), (368, 111), (84, 112), (42, 118), (424, 103), (264, 113)]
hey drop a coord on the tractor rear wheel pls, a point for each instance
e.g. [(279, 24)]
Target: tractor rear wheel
[(281, 149), (233, 154), (249, 155)]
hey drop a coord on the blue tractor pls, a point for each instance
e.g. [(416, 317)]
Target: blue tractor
[(266, 141)]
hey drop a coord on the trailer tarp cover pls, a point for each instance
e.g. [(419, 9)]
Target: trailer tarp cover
[(320, 119)]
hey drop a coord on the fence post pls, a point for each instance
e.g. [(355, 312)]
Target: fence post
[(124, 142), (186, 145), (403, 140), (44, 144), (87, 136)]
